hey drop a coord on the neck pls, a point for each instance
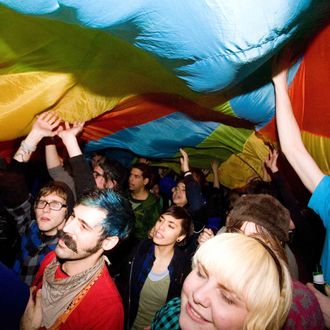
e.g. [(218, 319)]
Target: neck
[(164, 251), (74, 267), (51, 232), (140, 194)]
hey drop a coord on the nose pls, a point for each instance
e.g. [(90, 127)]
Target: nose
[(202, 295), (69, 226), (46, 209), (161, 226)]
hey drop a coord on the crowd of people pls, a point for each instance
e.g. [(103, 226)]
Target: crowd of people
[(97, 245)]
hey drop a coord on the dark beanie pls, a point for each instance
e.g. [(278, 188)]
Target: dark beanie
[(263, 210)]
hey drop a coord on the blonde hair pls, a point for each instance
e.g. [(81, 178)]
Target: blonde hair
[(250, 269)]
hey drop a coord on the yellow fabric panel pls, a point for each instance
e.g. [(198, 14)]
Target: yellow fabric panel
[(24, 95), (239, 168), (319, 148)]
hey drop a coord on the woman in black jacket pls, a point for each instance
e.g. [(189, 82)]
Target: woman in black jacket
[(157, 269)]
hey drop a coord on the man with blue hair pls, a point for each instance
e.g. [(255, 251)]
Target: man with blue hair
[(73, 289)]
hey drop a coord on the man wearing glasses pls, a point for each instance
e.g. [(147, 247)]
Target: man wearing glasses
[(51, 207)]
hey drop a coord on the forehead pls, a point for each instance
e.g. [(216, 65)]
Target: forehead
[(170, 218), (249, 228), (52, 197), (181, 185), (136, 171), (91, 215)]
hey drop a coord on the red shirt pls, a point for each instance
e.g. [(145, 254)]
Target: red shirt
[(101, 308)]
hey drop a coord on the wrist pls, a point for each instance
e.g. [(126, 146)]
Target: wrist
[(27, 148), (33, 139)]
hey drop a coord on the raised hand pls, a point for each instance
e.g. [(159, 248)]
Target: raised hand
[(271, 161), (47, 124), (184, 160), (70, 129), (68, 134)]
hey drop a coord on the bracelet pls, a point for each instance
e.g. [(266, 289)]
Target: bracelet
[(26, 148), (186, 172)]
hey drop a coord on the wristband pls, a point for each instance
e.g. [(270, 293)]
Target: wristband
[(26, 148), (186, 173)]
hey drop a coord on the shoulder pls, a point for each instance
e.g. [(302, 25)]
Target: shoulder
[(45, 262), (320, 200), (305, 312)]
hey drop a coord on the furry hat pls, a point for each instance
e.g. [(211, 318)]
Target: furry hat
[(263, 210)]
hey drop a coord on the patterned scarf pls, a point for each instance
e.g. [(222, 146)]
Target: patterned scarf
[(58, 294)]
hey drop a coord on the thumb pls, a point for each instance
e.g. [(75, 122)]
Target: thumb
[(316, 292), (38, 299)]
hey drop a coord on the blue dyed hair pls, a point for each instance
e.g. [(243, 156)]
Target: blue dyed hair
[(119, 218)]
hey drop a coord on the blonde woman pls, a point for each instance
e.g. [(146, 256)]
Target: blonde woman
[(245, 286)]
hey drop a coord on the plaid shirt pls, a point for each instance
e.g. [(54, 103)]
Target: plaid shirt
[(167, 318), (34, 245)]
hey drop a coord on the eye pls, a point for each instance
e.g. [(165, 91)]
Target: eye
[(226, 299), (200, 271)]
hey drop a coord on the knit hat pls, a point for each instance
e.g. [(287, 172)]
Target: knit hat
[(263, 210)]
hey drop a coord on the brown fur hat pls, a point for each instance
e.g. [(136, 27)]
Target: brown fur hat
[(263, 210)]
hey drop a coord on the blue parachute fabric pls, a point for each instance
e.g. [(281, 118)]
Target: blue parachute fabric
[(258, 104), (211, 45), (150, 138)]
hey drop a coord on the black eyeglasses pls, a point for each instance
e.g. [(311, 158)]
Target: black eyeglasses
[(53, 205)]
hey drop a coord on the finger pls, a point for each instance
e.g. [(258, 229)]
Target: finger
[(316, 292), (38, 299), (31, 298), (55, 123)]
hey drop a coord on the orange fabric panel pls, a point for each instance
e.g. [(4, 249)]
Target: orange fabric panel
[(310, 93)]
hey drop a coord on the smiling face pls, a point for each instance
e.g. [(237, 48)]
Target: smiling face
[(179, 196), (48, 220), (206, 304), (167, 230)]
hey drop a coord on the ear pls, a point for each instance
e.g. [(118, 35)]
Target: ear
[(180, 238), (145, 181), (110, 242)]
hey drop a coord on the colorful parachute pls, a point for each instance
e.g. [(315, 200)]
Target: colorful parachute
[(153, 76)]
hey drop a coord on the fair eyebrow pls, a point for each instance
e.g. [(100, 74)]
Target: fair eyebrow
[(85, 224)]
